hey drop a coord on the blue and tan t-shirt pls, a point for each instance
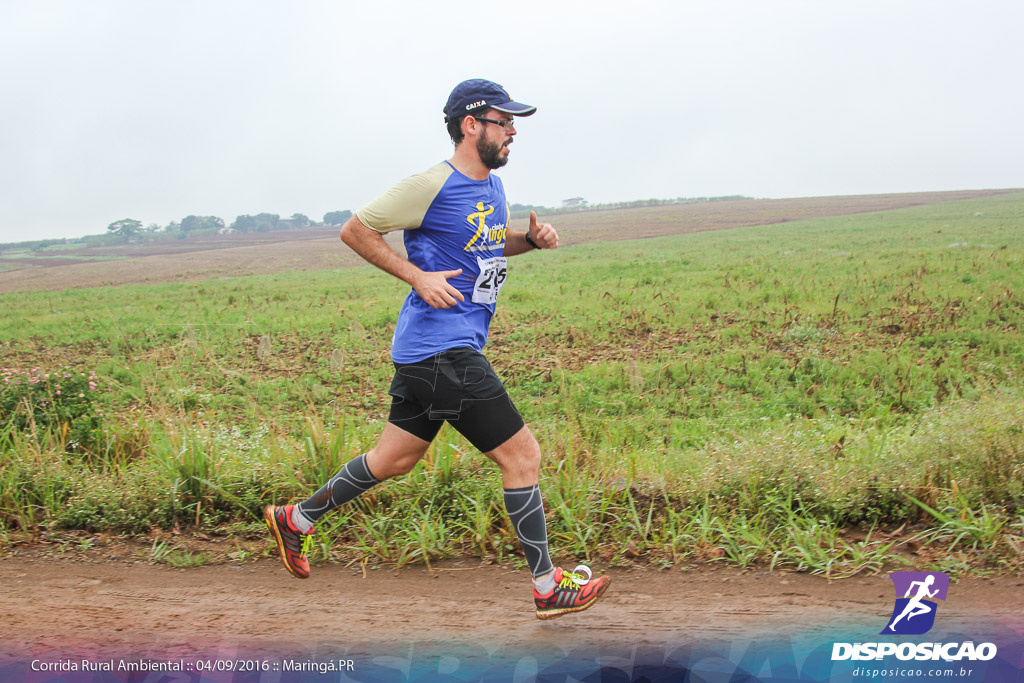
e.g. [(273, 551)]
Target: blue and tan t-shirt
[(450, 221)]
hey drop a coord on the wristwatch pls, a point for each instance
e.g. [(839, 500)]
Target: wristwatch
[(529, 240)]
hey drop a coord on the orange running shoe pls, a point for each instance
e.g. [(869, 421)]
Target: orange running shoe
[(573, 592), (289, 539)]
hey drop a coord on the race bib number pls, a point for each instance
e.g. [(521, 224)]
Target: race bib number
[(492, 276)]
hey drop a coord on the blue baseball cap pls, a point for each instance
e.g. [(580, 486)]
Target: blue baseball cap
[(478, 93)]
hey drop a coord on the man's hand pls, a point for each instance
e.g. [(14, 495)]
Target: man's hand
[(433, 288), (542, 233)]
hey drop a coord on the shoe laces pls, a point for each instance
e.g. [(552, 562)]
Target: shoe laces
[(307, 543), (577, 578)]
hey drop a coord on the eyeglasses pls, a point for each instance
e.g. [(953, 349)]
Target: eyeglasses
[(504, 123)]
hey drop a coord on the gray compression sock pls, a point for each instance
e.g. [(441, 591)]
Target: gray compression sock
[(526, 510), (354, 479)]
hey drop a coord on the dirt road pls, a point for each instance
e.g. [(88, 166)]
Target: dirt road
[(69, 608)]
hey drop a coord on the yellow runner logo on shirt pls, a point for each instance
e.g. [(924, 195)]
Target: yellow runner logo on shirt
[(495, 235)]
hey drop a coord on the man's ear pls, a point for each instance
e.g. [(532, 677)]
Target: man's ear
[(470, 126)]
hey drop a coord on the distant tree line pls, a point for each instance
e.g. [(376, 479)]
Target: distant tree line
[(126, 228), (337, 217), (129, 229), (194, 223), (577, 204)]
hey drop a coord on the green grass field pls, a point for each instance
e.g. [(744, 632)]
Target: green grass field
[(833, 395)]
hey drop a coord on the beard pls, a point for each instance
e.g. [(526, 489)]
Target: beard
[(490, 154)]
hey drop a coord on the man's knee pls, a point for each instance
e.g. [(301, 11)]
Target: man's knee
[(521, 451), (384, 465), (530, 455)]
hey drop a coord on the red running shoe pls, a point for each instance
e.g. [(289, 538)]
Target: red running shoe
[(289, 539), (573, 592)]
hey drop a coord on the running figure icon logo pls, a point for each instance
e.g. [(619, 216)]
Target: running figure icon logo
[(916, 593)]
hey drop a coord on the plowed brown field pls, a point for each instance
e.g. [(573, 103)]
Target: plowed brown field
[(320, 249)]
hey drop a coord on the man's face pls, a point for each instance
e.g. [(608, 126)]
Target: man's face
[(492, 145)]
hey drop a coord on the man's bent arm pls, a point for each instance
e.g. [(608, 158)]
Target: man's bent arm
[(370, 244), (515, 243), (544, 236), (432, 287)]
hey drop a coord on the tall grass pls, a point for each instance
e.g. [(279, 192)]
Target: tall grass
[(778, 395)]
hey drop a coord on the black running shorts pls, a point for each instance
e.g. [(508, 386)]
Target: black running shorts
[(458, 386)]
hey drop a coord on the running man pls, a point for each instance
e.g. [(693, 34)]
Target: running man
[(916, 606), (455, 222)]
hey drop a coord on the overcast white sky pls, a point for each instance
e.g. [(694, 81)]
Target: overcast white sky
[(155, 110)]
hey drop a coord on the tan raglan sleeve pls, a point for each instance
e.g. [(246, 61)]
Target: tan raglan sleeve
[(404, 205)]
